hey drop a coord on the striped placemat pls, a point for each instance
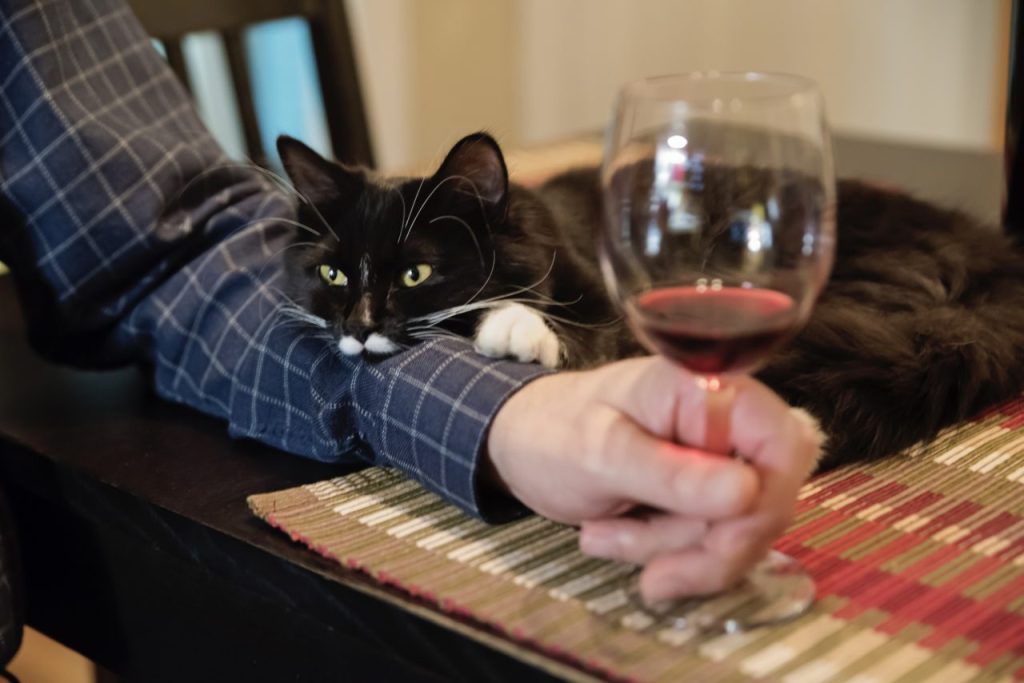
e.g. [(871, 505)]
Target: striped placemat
[(919, 561)]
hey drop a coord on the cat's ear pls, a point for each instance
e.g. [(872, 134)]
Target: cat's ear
[(478, 158), (314, 177)]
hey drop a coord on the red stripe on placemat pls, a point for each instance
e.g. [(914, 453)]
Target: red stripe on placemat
[(919, 502), (1014, 406), (954, 515), (876, 558), (825, 521), (931, 562), (862, 532), (907, 601), (852, 480), (879, 495), (1004, 520)]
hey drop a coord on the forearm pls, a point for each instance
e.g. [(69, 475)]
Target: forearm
[(131, 241), (222, 339)]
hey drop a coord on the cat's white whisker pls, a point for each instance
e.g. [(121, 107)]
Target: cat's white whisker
[(286, 184), (437, 317), (304, 316), (487, 280), (444, 314), (270, 262), (423, 204), (210, 171), (276, 179), (406, 226), (287, 307), (287, 221), (479, 199), (427, 336), (452, 311), (586, 326), (287, 313), (476, 243), (404, 213)]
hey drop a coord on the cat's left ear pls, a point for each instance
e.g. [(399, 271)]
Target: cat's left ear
[(318, 179), (478, 158)]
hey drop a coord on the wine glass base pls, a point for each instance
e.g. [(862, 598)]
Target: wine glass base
[(777, 590)]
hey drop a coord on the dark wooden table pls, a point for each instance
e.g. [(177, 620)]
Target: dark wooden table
[(141, 553)]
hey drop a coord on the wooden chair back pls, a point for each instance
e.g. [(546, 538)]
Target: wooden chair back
[(333, 50)]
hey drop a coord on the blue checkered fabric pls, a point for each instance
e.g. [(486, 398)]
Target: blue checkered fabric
[(132, 239)]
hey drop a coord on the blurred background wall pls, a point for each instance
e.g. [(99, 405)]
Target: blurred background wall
[(927, 71), (923, 71)]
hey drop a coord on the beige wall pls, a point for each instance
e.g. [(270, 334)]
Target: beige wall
[(927, 71)]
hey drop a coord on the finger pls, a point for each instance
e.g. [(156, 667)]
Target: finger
[(747, 539), (770, 433), (632, 464), (784, 462), (639, 539), (690, 572)]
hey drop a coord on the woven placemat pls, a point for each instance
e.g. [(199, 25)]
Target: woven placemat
[(919, 562)]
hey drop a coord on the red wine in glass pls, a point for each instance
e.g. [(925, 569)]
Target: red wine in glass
[(712, 330)]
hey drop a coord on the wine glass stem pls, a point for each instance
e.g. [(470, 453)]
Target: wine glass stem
[(718, 413)]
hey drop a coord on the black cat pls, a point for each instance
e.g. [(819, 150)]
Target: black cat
[(462, 252), (921, 325)]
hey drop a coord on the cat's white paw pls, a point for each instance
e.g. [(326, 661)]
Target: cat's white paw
[(811, 423), (520, 332)]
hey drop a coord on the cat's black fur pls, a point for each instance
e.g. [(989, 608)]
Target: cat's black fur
[(921, 325)]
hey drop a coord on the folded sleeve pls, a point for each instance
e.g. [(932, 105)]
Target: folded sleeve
[(132, 239)]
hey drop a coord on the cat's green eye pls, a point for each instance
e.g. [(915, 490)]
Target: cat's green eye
[(332, 276), (415, 275)]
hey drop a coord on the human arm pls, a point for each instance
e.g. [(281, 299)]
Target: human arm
[(133, 239)]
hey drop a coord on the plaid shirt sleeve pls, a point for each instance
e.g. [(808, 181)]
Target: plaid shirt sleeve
[(132, 239)]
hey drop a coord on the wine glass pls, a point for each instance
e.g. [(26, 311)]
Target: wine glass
[(719, 201)]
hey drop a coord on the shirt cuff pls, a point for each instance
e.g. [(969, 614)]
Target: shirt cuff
[(428, 412)]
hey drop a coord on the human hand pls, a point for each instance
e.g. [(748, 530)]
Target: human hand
[(587, 447)]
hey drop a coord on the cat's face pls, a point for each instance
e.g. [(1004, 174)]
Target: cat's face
[(392, 257)]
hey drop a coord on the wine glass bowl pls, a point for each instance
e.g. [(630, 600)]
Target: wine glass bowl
[(718, 236)]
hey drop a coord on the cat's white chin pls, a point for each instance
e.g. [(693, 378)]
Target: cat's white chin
[(375, 343)]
